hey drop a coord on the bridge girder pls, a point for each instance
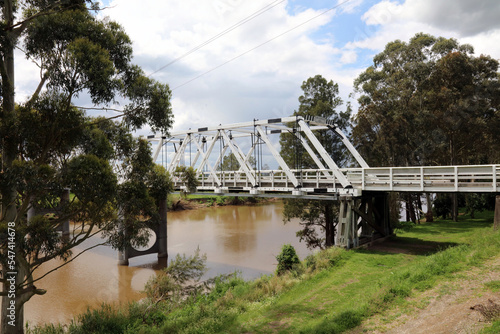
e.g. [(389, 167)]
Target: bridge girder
[(255, 136)]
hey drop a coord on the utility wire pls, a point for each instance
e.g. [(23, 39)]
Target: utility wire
[(262, 44), (231, 28)]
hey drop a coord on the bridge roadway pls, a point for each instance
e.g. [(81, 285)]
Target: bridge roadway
[(327, 181), (322, 183)]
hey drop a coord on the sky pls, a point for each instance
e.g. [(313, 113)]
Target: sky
[(265, 49)]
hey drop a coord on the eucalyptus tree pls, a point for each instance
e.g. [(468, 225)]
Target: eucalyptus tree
[(320, 98), (428, 101), (49, 144)]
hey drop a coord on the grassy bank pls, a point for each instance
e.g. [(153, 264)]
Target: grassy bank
[(178, 202), (331, 292)]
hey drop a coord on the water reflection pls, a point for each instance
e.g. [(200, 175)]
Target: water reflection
[(243, 238)]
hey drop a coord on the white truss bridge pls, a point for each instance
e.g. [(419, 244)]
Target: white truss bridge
[(362, 191), (205, 148)]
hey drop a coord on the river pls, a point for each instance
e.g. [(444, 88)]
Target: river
[(243, 238)]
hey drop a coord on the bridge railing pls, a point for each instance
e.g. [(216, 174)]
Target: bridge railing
[(475, 178), (310, 180)]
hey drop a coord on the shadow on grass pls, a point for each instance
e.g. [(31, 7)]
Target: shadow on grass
[(416, 241), (409, 245), (339, 323)]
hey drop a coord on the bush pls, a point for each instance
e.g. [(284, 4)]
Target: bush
[(325, 259), (287, 259), (403, 226)]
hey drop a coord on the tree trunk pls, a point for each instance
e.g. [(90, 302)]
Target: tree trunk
[(454, 207), (12, 304), (329, 228), (496, 223), (429, 216)]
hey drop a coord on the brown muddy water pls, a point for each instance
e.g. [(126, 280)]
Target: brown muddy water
[(243, 238)]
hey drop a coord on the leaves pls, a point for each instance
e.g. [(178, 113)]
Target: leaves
[(320, 98), (426, 102)]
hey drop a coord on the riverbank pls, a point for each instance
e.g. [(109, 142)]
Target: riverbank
[(431, 272), (243, 238), (178, 202)]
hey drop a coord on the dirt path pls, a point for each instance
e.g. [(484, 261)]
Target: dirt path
[(445, 308)]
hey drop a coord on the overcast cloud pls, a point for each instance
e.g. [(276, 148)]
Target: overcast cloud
[(250, 72)]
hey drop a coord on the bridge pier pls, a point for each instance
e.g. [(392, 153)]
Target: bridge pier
[(160, 245), (361, 218)]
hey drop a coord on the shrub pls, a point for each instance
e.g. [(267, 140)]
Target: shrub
[(287, 259), (403, 226)]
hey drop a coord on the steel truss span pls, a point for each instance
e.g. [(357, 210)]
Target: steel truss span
[(361, 191), (205, 148)]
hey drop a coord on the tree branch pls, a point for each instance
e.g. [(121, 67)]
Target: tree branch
[(69, 261)]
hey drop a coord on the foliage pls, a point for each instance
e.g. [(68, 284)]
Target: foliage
[(403, 226), (189, 177), (442, 205), (287, 259), (475, 202), (179, 280), (314, 215), (231, 163), (49, 144), (338, 289), (426, 102), (320, 98)]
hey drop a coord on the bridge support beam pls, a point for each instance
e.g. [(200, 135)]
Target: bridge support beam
[(362, 218), (160, 245)]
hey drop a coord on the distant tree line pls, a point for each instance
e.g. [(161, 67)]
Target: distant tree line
[(429, 101)]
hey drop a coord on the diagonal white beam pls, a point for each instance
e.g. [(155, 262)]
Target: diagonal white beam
[(205, 159), (243, 156), (240, 159), (180, 152), (350, 147), (278, 157), (158, 149), (324, 154), (314, 157)]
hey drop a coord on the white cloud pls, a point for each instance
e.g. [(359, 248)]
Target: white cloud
[(475, 23), (239, 76), (255, 85)]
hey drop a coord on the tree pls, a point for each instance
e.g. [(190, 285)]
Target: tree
[(427, 102), (287, 259), (49, 145), (230, 163), (320, 98)]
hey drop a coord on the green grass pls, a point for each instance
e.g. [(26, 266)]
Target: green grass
[(331, 292)]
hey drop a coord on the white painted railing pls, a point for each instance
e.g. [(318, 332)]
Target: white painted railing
[(479, 178), (475, 178)]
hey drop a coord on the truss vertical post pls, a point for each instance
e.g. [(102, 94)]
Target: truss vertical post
[(278, 157), (205, 159), (178, 155), (240, 159), (347, 235)]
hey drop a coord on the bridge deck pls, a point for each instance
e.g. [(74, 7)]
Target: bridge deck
[(314, 182)]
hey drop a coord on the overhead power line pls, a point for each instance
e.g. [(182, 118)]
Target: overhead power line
[(222, 33), (262, 44)]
